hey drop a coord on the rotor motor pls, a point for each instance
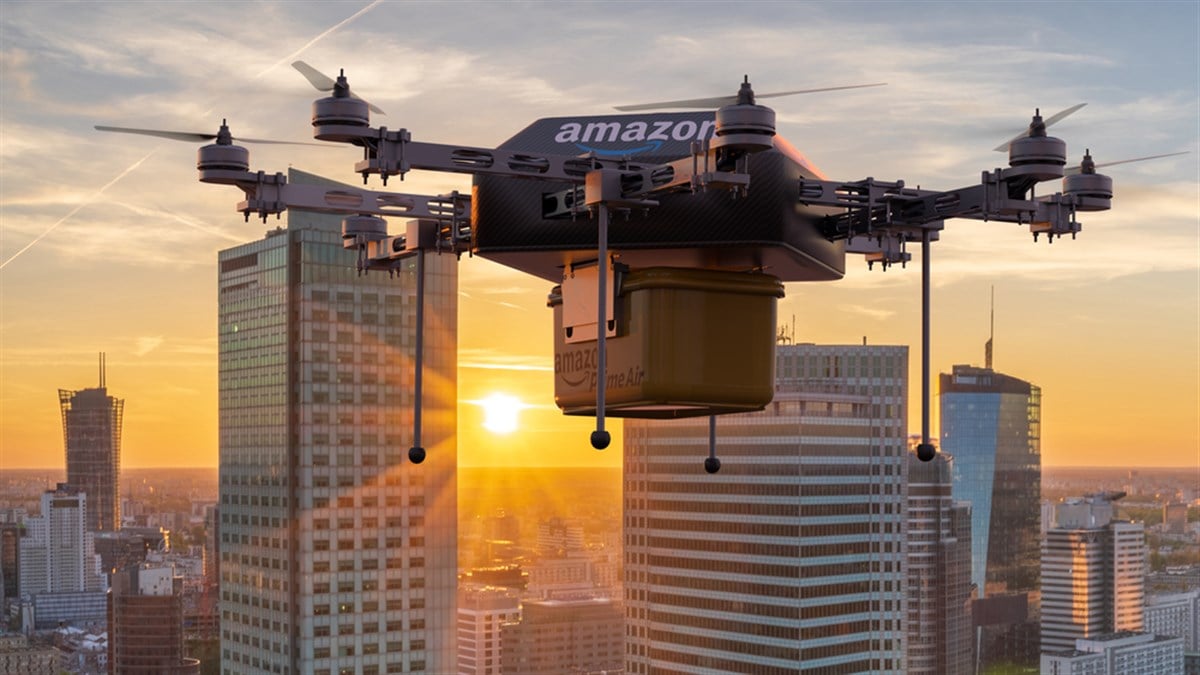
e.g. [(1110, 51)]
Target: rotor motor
[(745, 126), (1037, 156), (222, 157), (1095, 189)]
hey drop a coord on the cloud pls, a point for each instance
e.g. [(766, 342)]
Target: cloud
[(487, 359), (870, 312), (16, 71), (146, 344)]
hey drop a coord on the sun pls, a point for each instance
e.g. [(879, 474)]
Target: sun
[(500, 412)]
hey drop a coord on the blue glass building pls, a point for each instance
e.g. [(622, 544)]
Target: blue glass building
[(991, 425)]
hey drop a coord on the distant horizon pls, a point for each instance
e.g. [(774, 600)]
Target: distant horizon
[(1195, 468)]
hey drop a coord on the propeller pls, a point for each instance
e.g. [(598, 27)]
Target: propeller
[(325, 83), (1003, 147), (1072, 170), (193, 137), (719, 101)]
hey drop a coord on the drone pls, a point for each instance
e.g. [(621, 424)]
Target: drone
[(668, 235)]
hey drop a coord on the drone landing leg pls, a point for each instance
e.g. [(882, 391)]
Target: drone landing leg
[(925, 451), (600, 437), (712, 464), (416, 454)]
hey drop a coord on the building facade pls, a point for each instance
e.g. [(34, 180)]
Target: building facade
[(337, 554), (1093, 573), (10, 562), (940, 639), (564, 636), (1175, 517), (991, 425), (145, 623), (791, 559), (92, 435), (1176, 615), (481, 614), (1121, 653), (57, 553)]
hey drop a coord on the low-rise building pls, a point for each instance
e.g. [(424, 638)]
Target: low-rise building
[(1121, 653), (1175, 615)]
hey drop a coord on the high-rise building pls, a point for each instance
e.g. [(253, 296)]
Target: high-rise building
[(564, 636), (92, 435), (337, 553), (991, 425), (212, 535), (10, 562), (1093, 573), (481, 613), (57, 553), (145, 623), (940, 639), (791, 559)]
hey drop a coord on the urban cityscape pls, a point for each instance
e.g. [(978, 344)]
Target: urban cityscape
[(273, 454), (823, 545)]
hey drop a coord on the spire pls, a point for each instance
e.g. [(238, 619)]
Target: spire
[(987, 347), (101, 370)]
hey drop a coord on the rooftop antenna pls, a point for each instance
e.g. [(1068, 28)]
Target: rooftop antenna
[(987, 348), (101, 370)]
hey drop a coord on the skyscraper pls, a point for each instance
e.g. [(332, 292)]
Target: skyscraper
[(1093, 573), (57, 553), (337, 553), (92, 436), (940, 638), (991, 425), (791, 559)]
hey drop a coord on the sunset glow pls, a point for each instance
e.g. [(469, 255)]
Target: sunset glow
[(109, 242), (501, 412)]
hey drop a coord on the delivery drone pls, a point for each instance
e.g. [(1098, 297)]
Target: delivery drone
[(666, 310)]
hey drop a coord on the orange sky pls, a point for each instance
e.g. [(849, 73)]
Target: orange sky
[(1108, 325), (1103, 403)]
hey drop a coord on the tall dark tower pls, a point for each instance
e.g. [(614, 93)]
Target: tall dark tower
[(92, 435)]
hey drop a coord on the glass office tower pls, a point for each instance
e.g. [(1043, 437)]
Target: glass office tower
[(337, 554), (940, 639), (791, 559), (991, 426)]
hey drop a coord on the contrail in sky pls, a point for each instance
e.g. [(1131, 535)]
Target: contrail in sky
[(292, 57), (78, 206), (287, 59)]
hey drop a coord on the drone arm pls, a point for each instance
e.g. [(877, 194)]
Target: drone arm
[(876, 208), (271, 194)]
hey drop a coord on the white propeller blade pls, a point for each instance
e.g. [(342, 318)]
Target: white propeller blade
[(719, 101), (323, 82), (1003, 147)]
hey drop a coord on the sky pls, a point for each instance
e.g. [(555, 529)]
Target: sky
[(108, 242)]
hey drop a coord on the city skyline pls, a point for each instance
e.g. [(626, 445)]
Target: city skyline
[(132, 271)]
